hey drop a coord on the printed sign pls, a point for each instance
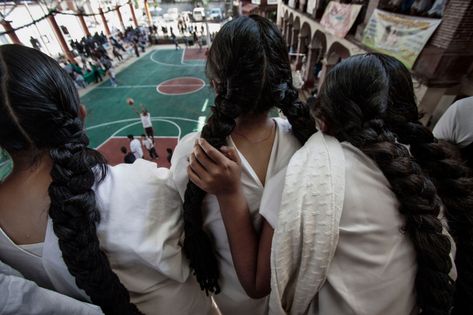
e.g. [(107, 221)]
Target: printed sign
[(400, 36), (338, 18)]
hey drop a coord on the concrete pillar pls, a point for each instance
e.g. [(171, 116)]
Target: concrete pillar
[(301, 49), (429, 102), (11, 33), (323, 73), (83, 24), (60, 38), (120, 18), (289, 35), (295, 39), (104, 21), (148, 14), (312, 58), (133, 13)]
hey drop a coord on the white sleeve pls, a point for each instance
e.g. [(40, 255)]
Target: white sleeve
[(179, 161), (21, 296), (445, 127)]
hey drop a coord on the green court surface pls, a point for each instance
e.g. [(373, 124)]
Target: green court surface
[(181, 106)]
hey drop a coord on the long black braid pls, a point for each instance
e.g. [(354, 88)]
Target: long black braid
[(441, 163), (353, 104), (40, 113), (249, 65)]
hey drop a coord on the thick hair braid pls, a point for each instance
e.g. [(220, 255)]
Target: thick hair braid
[(75, 215), (455, 187), (354, 102), (421, 206), (297, 112), (198, 246)]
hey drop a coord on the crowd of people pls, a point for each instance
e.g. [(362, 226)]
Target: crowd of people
[(346, 205), (95, 58)]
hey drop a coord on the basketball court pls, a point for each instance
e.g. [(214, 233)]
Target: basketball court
[(170, 83)]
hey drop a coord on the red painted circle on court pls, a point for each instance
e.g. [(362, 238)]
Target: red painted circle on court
[(180, 86)]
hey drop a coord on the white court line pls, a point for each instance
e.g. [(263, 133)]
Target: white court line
[(205, 105), (182, 57), (126, 86), (138, 122), (170, 64), (201, 123), (202, 85), (137, 119)]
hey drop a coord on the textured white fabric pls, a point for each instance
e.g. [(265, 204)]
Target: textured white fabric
[(335, 192), (233, 300), (456, 124), (21, 296), (140, 231), (307, 232)]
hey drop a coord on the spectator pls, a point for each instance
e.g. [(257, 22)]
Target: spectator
[(135, 147), (129, 157)]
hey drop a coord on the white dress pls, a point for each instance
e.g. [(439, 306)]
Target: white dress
[(140, 231), (21, 296), (233, 299), (338, 247)]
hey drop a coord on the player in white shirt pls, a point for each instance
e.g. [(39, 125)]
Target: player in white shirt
[(149, 145), (135, 147)]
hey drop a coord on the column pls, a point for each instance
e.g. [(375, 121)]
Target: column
[(429, 102), (301, 49), (148, 14), (60, 38), (312, 56), (133, 13), (11, 33), (120, 17), (104, 21), (288, 35), (82, 23), (294, 39)]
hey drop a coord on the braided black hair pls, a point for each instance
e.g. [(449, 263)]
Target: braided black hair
[(441, 162), (249, 65), (353, 103), (39, 113)]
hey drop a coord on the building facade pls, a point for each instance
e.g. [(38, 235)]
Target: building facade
[(440, 52)]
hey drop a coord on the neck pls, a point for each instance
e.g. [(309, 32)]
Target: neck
[(250, 124)]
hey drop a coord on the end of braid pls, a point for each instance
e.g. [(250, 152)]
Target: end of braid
[(198, 246), (74, 214)]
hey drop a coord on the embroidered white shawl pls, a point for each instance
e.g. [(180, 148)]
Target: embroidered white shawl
[(307, 233)]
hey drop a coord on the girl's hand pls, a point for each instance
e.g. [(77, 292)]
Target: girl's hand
[(216, 172)]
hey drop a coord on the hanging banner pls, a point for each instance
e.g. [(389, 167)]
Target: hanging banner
[(338, 18), (400, 36), (292, 4), (272, 2)]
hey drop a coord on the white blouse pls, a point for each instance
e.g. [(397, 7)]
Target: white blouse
[(140, 230), (233, 299)]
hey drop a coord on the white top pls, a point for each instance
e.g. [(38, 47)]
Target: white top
[(140, 230), (146, 120), (456, 124), (374, 267), (21, 296), (326, 262), (135, 148), (148, 143), (233, 299)]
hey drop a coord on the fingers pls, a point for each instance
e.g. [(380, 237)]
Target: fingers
[(202, 158), (195, 165), (211, 152), (231, 153), (193, 177)]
